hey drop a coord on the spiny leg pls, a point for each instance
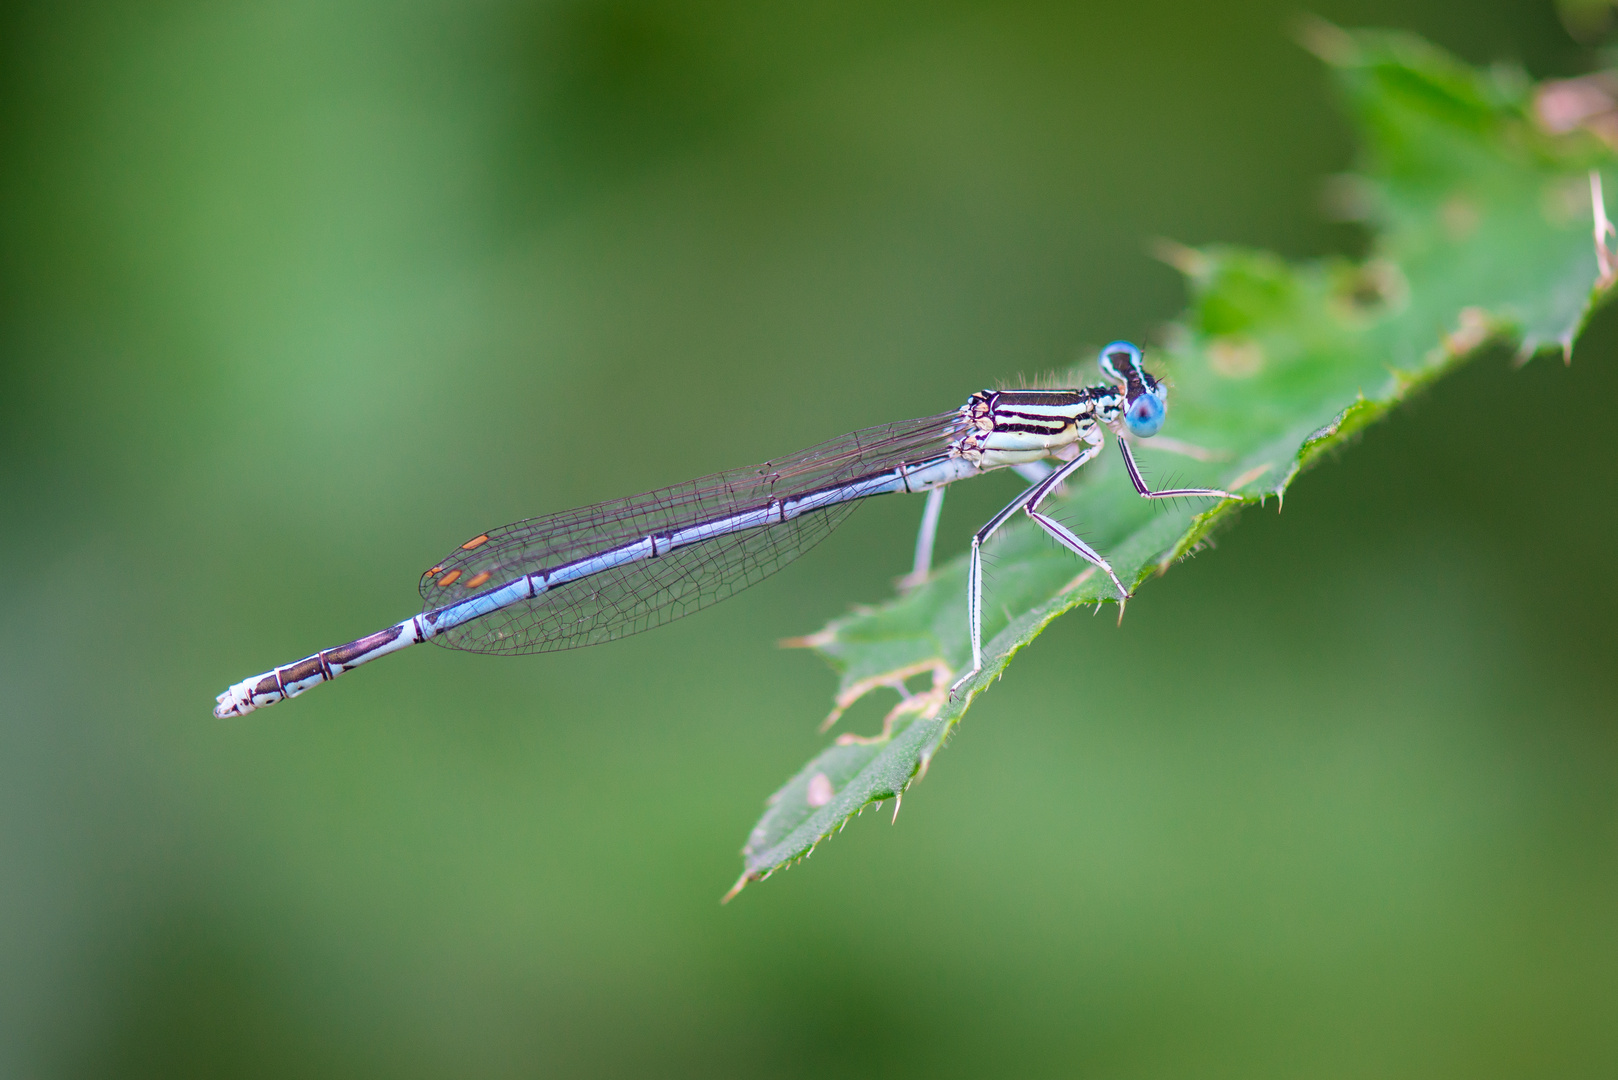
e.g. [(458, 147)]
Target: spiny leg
[(974, 581), (1032, 471), (1068, 539), (974, 575), (1147, 493), (1064, 536)]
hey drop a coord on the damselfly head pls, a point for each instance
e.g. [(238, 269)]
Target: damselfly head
[(1147, 400)]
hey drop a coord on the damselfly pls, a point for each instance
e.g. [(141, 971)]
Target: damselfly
[(617, 568)]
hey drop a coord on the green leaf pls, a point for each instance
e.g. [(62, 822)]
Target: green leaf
[(1483, 233)]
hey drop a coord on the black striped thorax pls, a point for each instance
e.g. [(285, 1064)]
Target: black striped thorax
[(1006, 427), (1041, 412)]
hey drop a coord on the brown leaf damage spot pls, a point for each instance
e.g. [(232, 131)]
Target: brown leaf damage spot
[(818, 640), (925, 704), (1474, 327), (1249, 476), (1235, 358), (1084, 576), (1606, 258), (1460, 215), (1589, 102)]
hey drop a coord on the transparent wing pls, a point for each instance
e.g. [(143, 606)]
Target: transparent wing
[(638, 596)]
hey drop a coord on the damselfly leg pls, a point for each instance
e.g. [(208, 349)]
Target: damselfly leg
[(926, 537), (1170, 493), (1028, 502)]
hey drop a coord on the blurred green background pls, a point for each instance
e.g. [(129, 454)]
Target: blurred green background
[(296, 297)]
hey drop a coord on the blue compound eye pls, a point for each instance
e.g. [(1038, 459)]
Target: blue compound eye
[(1146, 413)]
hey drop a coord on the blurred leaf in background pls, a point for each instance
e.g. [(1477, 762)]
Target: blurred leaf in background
[(295, 297)]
